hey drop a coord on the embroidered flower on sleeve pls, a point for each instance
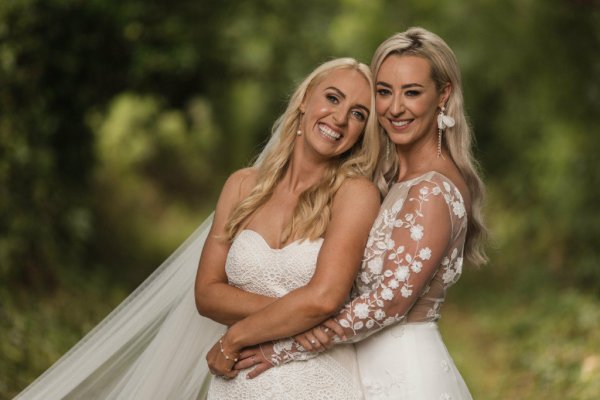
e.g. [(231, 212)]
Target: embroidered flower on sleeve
[(416, 232), (458, 208), (375, 265), (361, 310), (379, 314), (401, 273), (387, 294), (425, 253)]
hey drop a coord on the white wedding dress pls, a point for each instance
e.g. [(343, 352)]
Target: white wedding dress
[(413, 255), (255, 267)]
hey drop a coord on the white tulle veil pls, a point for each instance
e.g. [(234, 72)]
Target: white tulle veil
[(152, 346)]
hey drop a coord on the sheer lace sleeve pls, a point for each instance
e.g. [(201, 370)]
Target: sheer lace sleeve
[(412, 242)]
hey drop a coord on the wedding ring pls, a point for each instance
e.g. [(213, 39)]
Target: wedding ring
[(313, 341), (326, 330)]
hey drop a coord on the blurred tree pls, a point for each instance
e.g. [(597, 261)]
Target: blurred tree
[(50, 77)]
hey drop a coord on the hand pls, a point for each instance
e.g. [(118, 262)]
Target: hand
[(257, 357), (321, 337), (221, 360)]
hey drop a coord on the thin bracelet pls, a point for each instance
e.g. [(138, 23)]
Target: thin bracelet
[(223, 351)]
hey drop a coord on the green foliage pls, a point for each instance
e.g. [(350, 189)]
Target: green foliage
[(119, 121), (536, 344)]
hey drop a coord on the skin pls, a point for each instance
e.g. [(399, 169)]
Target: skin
[(407, 103), (335, 113)]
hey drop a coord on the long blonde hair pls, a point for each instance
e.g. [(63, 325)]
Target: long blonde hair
[(313, 210), (458, 139)]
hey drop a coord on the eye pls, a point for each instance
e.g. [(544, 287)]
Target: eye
[(332, 98), (384, 92), (412, 93), (359, 115)]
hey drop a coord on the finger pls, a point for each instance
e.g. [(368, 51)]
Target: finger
[(259, 369), (316, 345), (251, 352), (304, 342), (229, 375), (335, 327), (245, 363), (323, 338)]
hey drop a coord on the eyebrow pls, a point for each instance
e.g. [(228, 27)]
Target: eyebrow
[(341, 94), (407, 86)]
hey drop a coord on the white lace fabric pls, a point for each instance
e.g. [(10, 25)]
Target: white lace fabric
[(254, 266), (414, 254)]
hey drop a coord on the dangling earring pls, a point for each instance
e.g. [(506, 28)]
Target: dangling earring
[(443, 121), (299, 131)]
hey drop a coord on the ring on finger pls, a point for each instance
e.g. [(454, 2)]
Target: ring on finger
[(313, 341)]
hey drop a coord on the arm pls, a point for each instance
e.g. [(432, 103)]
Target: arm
[(398, 270), (215, 298), (354, 208)]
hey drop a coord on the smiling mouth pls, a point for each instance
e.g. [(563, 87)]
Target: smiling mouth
[(400, 124), (329, 133)]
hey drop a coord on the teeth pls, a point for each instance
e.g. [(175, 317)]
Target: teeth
[(327, 131), (400, 123)]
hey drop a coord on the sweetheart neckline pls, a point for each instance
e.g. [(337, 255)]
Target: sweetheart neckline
[(294, 243)]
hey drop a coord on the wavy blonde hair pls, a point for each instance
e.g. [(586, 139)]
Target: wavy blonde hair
[(313, 211), (458, 139)]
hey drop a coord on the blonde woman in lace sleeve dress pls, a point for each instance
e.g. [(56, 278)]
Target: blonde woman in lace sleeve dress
[(288, 228), (428, 223)]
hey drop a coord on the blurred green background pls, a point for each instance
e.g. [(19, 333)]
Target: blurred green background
[(121, 119)]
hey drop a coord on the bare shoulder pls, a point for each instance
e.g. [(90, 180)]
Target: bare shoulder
[(357, 192), (237, 187), (240, 183)]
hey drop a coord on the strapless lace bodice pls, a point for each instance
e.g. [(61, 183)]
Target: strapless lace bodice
[(254, 266)]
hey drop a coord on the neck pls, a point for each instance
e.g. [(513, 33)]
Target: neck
[(303, 171), (418, 158)]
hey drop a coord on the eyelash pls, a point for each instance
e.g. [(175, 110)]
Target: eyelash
[(332, 98), (387, 92), (359, 115)]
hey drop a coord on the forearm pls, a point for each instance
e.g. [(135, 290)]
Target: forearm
[(228, 304), (294, 313)]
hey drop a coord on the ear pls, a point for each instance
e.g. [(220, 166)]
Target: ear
[(302, 107), (445, 95)]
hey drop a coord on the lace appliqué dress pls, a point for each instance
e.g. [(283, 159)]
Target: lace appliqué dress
[(413, 255), (254, 266)]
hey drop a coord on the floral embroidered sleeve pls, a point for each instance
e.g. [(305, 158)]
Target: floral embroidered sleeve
[(410, 241)]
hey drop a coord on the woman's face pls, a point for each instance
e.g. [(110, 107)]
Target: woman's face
[(407, 100), (335, 112)]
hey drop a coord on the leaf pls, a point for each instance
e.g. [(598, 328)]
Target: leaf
[(358, 325)]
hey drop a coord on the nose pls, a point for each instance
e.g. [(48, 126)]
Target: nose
[(340, 116), (397, 106)]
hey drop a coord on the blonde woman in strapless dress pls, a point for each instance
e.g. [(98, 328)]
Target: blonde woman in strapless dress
[(286, 240)]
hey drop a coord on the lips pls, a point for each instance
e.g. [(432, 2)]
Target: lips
[(400, 123), (328, 132)]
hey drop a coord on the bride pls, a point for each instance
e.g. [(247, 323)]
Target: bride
[(289, 229), (296, 217)]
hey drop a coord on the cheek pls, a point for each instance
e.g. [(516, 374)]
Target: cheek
[(381, 106)]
